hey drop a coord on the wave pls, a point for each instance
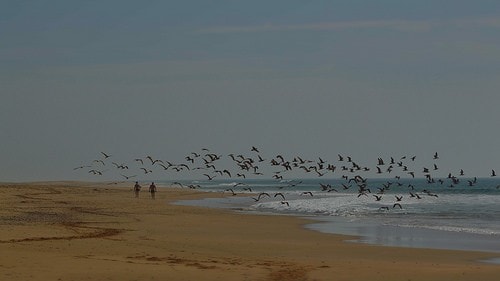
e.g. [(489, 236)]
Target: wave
[(461, 229)]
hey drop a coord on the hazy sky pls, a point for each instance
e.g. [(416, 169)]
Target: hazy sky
[(312, 78)]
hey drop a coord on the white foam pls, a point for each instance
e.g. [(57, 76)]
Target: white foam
[(447, 212), (454, 229)]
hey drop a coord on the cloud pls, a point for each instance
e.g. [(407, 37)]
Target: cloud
[(480, 22), (319, 26), (401, 25)]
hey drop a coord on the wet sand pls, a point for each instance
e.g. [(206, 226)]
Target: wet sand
[(84, 231)]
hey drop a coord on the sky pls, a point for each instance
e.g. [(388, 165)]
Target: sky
[(365, 78)]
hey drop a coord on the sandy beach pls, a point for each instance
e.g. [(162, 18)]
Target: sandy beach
[(87, 231)]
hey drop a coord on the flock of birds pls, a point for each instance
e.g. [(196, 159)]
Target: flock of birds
[(212, 166)]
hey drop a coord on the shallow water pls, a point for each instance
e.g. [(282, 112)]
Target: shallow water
[(458, 218)]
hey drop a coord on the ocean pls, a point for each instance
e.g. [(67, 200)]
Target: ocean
[(392, 212)]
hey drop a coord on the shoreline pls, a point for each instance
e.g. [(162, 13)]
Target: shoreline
[(82, 226), (364, 230)]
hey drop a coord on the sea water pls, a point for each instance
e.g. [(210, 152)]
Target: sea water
[(407, 213)]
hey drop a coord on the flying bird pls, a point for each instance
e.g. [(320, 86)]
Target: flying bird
[(105, 155), (346, 187), (146, 171), (260, 196), (232, 191), (380, 161), (263, 194), (280, 194), (164, 167), (178, 183), (209, 177), (415, 195), (190, 159), (81, 167), (129, 177)]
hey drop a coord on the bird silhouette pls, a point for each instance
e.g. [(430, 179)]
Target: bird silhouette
[(106, 156), (280, 194), (397, 205), (263, 194), (209, 177), (232, 191), (146, 171), (128, 177), (415, 195), (189, 159), (260, 196), (178, 183), (380, 161), (165, 167), (81, 167)]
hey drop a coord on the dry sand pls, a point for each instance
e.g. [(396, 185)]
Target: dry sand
[(83, 231)]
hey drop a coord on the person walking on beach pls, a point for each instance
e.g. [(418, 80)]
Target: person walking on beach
[(137, 188), (152, 190)]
